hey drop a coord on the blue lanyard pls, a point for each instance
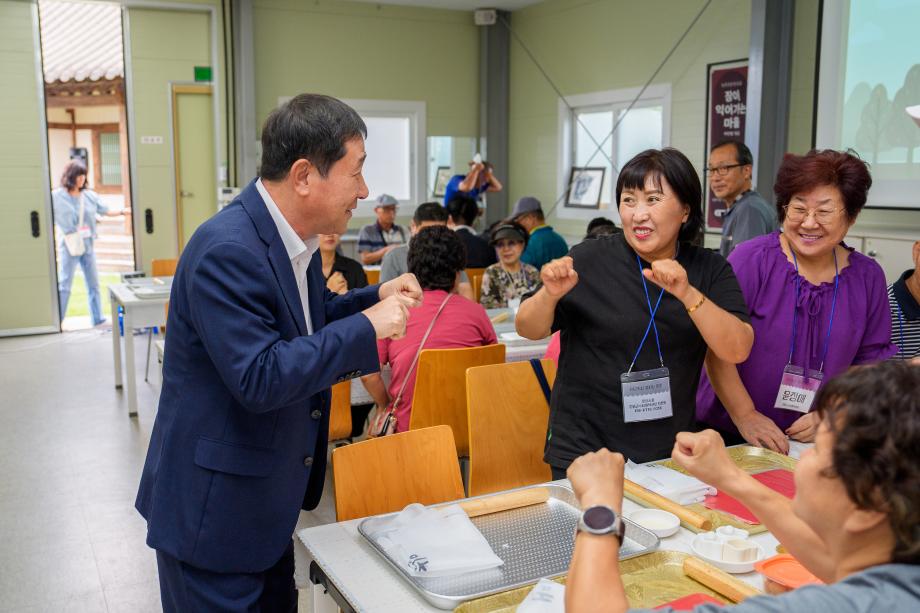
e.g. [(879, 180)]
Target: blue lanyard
[(795, 310), (651, 324), (902, 349)]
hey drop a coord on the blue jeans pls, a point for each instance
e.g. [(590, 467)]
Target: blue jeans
[(88, 264)]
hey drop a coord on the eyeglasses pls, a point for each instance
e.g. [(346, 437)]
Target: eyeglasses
[(722, 170), (798, 214)]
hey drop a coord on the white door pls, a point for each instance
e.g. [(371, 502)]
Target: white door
[(27, 277)]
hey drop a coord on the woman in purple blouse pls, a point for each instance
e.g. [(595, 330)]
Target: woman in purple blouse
[(817, 306)]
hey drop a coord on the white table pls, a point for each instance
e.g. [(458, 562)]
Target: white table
[(138, 313), (363, 579), (517, 350)]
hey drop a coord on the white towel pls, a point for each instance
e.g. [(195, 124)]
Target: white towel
[(431, 542), (546, 597), (681, 488)]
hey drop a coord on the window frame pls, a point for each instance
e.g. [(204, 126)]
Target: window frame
[(415, 111), (613, 100)]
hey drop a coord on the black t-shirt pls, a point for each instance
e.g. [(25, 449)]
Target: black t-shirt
[(354, 274), (602, 321)]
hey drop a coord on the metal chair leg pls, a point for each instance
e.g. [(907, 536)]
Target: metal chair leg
[(149, 344)]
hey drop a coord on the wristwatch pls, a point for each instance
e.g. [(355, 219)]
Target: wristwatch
[(602, 520)]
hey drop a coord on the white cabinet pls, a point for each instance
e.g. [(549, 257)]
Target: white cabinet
[(891, 251)]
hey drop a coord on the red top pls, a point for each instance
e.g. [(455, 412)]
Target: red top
[(462, 323)]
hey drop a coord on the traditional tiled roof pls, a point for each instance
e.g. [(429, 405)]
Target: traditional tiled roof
[(81, 41)]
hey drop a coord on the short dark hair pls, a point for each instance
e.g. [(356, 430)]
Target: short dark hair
[(680, 175), (429, 211), (874, 414), (841, 169), (72, 170), (309, 126), (600, 222), (436, 255), (463, 209), (743, 155)]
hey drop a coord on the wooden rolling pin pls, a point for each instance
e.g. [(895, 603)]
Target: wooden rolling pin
[(687, 516), (505, 502), (501, 317), (718, 580)]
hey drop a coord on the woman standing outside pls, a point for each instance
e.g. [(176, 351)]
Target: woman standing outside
[(509, 278), (75, 210), (637, 313), (817, 306)]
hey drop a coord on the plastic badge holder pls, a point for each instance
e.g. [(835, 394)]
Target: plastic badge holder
[(787, 571)]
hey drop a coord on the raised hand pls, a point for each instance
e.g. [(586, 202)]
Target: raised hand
[(670, 276), (389, 317), (597, 478), (336, 283), (406, 287), (559, 277), (703, 455)]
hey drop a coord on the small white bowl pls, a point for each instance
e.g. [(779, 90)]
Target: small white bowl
[(660, 522), (697, 546)]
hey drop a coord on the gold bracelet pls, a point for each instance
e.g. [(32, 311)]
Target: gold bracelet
[(697, 305)]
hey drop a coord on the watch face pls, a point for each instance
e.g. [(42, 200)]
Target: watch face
[(598, 518)]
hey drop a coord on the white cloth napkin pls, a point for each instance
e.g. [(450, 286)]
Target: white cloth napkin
[(546, 597), (433, 542), (681, 488)]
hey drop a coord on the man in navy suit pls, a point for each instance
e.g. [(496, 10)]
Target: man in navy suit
[(255, 341)]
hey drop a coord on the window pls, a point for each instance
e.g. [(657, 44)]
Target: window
[(396, 152), (110, 158), (585, 137)]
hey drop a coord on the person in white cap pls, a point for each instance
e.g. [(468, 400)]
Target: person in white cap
[(377, 239)]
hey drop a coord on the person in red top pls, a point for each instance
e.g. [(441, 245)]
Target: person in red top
[(436, 258)]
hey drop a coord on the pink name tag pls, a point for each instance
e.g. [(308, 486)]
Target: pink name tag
[(798, 388)]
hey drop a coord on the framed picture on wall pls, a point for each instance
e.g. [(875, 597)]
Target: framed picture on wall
[(585, 187), (726, 111), (441, 179)]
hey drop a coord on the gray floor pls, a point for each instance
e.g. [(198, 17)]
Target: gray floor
[(70, 460)]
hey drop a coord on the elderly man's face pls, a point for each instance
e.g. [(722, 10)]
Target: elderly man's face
[(337, 193), (386, 216)]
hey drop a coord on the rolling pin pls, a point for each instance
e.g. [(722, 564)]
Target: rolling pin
[(501, 317), (687, 516), (718, 580), (505, 502)]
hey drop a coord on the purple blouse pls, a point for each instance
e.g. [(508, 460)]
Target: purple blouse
[(861, 331)]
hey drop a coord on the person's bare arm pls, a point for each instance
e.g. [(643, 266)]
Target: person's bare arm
[(471, 179), (754, 426), (494, 184), (703, 455), (534, 318), (594, 582), (377, 389), (373, 257)]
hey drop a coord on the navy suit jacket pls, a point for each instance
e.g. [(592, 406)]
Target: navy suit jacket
[(239, 442)]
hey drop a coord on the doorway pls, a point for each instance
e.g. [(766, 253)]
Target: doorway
[(193, 156), (83, 66)]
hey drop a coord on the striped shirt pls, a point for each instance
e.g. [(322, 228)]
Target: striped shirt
[(905, 318)]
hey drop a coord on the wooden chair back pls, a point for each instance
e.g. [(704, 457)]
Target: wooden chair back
[(340, 413), (475, 276), (440, 388), (163, 267), (383, 475), (508, 415), (373, 275)]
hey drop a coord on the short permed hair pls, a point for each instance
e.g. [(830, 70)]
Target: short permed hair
[(742, 153), (72, 170), (309, 126), (841, 169), (429, 211), (680, 175), (874, 414), (436, 255)]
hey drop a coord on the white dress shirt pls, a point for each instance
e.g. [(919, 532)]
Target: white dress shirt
[(300, 251)]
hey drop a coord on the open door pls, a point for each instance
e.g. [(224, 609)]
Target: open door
[(27, 276)]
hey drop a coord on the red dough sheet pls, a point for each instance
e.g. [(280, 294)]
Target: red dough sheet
[(688, 603), (779, 480)]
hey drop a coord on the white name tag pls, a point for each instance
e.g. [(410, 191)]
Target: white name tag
[(646, 395), (85, 232), (798, 388)]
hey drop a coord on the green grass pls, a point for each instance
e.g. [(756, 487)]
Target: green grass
[(79, 301)]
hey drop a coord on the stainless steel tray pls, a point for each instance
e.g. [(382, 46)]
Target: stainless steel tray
[(533, 542)]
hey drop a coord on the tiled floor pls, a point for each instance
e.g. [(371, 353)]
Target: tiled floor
[(70, 460)]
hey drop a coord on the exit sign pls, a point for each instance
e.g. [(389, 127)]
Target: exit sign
[(202, 73)]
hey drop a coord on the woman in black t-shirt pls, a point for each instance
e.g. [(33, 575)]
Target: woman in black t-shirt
[(602, 304), (341, 273)]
